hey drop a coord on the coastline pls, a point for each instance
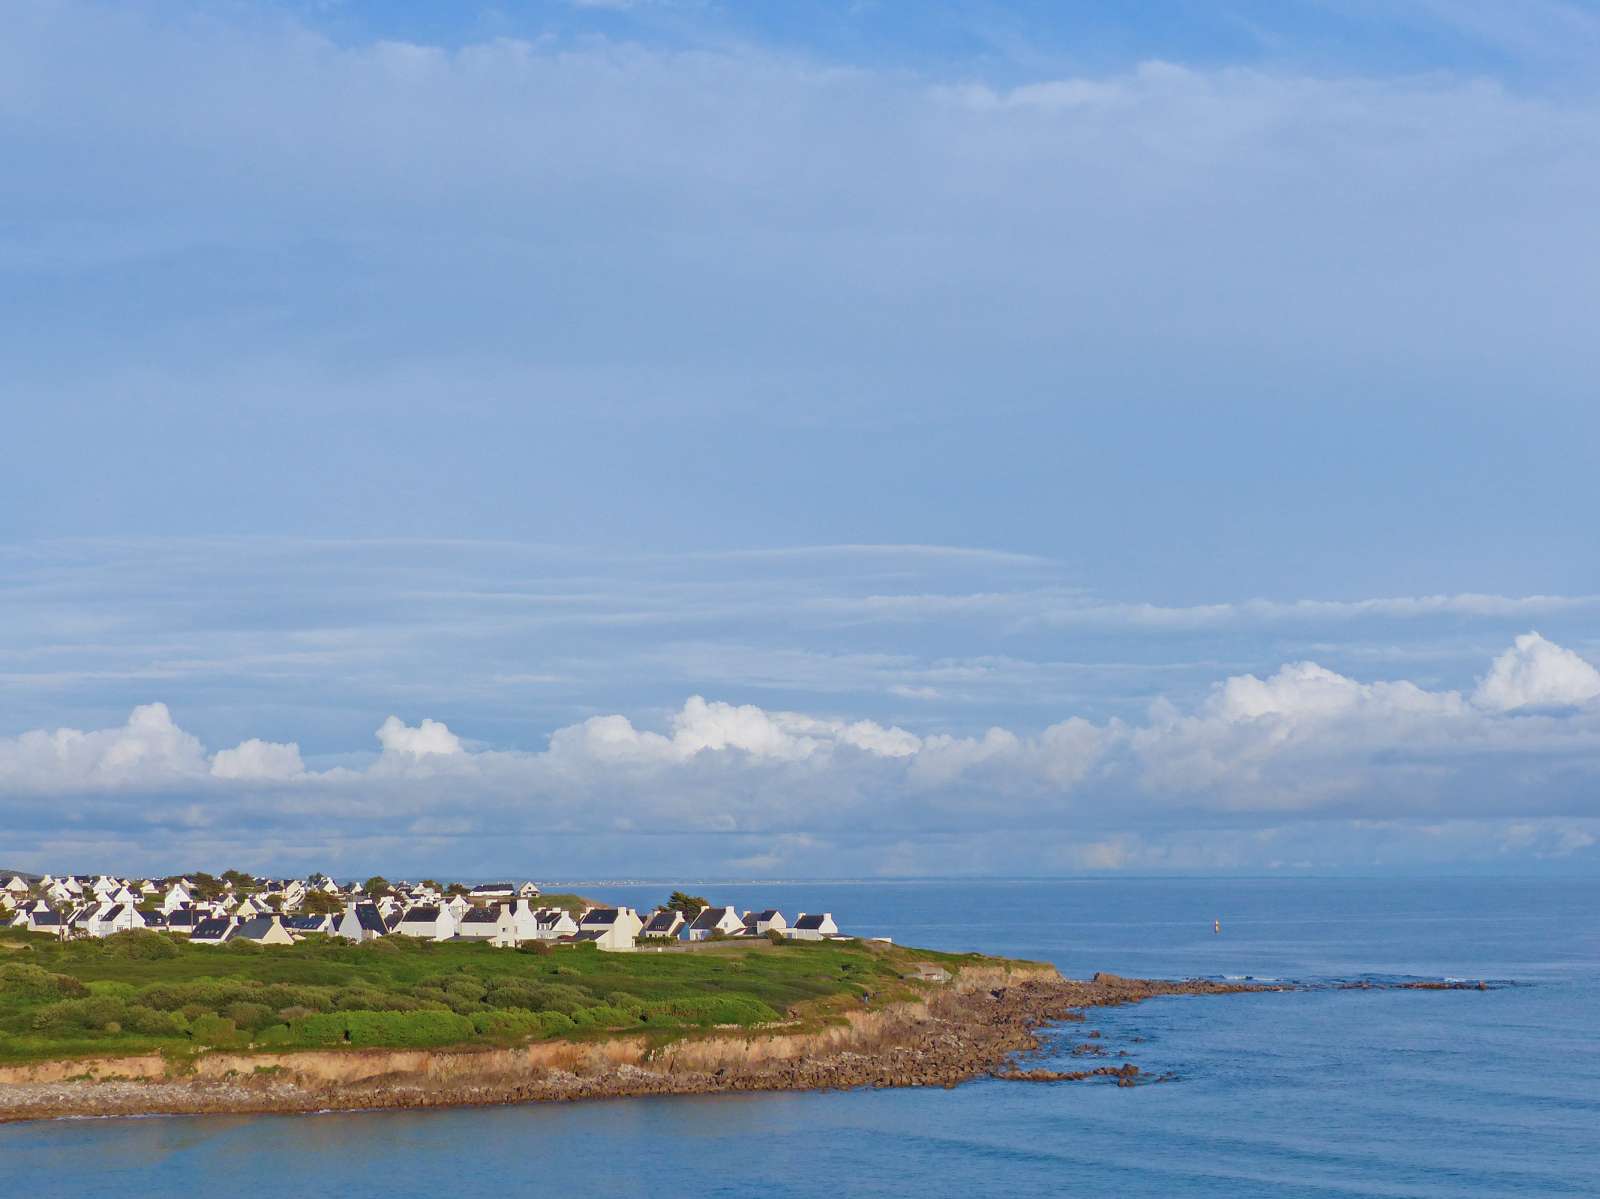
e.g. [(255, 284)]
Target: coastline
[(966, 1029)]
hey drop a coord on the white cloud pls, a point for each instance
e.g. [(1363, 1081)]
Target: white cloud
[(1537, 673), (428, 738), (1304, 742), (149, 749), (259, 761)]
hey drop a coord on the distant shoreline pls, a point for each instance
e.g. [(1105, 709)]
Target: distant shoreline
[(970, 1028)]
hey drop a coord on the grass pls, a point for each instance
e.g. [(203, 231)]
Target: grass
[(150, 992)]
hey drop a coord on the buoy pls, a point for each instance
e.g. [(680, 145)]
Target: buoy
[(1216, 927)]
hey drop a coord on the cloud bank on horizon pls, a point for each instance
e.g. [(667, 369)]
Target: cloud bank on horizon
[(1516, 762)]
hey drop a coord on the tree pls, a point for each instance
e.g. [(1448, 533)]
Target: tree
[(690, 904), (458, 889), (239, 880), (206, 886), (375, 886), (320, 903)]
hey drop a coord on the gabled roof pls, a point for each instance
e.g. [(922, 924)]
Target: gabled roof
[(369, 918), (601, 916), (481, 916), (254, 929), (812, 921), (711, 917), (421, 915), (664, 921), (212, 930)]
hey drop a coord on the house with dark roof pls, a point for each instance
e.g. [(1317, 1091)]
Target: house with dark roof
[(759, 924), (613, 928), (212, 932), (264, 930), (493, 924), (663, 922), (712, 920), (430, 921), (361, 922), (299, 926), (813, 927)]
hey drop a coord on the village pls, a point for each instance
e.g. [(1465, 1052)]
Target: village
[(211, 910)]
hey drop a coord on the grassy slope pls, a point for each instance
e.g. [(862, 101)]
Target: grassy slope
[(302, 995)]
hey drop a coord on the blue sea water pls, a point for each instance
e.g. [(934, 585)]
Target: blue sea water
[(1321, 1092)]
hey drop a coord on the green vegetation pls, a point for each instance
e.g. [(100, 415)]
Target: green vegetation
[(143, 991)]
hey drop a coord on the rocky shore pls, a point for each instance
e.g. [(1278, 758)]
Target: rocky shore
[(967, 1029)]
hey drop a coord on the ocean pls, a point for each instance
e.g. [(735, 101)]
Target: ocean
[(1322, 1092)]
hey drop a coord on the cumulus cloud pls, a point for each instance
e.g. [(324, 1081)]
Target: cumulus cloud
[(259, 761), (428, 738), (1304, 742), (148, 749), (1537, 673)]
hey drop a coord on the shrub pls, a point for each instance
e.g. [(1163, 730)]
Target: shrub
[(212, 1029), (141, 944), (776, 937), (71, 1015), (275, 1034), (400, 1029), (508, 1022), (249, 1016), (295, 1012), (149, 1022), (21, 982), (556, 1023), (538, 949), (714, 1009), (123, 991)]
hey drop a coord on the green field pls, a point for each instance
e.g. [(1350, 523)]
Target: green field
[(138, 992)]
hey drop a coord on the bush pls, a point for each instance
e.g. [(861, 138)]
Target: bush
[(776, 937), (714, 1009), (75, 1015), (147, 1021), (508, 1022), (275, 1034), (141, 944), (399, 1029), (212, 1029), (24, 983), (539, 949), (556, 1024), (126, 992), (249, 1016)]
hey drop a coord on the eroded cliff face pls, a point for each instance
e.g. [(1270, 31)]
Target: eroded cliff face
[(953, 1032)]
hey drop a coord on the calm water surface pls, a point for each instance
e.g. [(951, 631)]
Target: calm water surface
[(1322, 1093)]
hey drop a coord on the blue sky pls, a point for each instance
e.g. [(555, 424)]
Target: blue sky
[(801, 439)]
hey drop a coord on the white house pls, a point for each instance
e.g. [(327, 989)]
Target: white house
[(712, 920), (492, 924), (663, 922), (458, 907), (552, 923), (814, 927), (109, 918), (759, 924), (485, 892), (212, 932), (528, 891), (17, 885), (177, 896), (427, 920), (361, 922), (264, 930), (610, 928)]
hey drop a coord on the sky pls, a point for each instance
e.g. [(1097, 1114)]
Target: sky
[(672, 438)]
